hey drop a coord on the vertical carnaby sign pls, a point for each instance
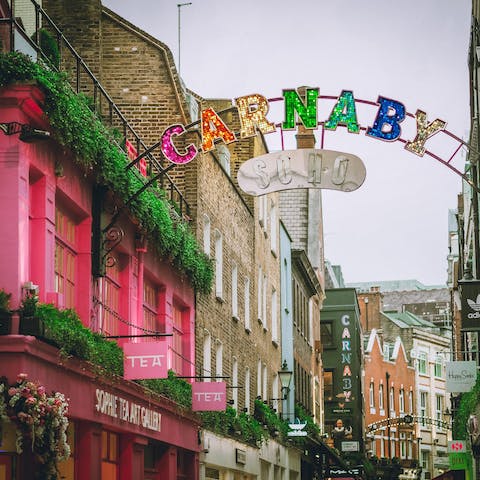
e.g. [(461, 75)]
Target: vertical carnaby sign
[(470, 292), (145, 360)]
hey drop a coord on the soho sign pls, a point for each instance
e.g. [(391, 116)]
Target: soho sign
[(253, 109)]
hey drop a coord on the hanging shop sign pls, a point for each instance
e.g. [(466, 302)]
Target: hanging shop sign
[(297, 430), (253, 109), (470, 301), (456, 446), (303, 168), (145, 360), (460, 376), (209, 396)]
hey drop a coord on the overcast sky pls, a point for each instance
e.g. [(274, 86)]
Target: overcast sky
[(413, 51)]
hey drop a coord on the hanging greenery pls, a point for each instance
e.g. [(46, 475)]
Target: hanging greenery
[(468, 404), (75, 126)]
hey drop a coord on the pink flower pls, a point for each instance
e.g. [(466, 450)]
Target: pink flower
[(12, 391), (41, 390), (25, 392), (21, 377), (31, 400)]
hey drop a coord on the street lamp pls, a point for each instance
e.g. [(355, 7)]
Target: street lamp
[(285, 378)]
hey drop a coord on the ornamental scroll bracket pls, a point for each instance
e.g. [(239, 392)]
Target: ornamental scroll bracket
[(112, 237)]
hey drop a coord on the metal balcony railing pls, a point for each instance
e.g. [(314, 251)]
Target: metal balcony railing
[(22, 23)]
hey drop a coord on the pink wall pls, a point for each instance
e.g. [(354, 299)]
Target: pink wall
[(34, 179)]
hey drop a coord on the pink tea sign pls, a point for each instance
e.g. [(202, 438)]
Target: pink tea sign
[(145, 360), (209, 396)]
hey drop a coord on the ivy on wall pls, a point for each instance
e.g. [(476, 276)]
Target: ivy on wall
[(75, 126), (468, 405)]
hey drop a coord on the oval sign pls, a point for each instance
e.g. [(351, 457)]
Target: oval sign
[(302, 168)]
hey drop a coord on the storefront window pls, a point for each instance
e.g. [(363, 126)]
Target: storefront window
[(177, 358), (110, 305), (150, 307), (65, 257), (110, 457)]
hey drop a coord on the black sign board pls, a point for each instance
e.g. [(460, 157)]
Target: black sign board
[(470, 295)]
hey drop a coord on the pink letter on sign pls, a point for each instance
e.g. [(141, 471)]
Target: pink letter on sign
[(209, 396), (145, 360), (169, 150)]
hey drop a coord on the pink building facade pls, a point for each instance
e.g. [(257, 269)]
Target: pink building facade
[(51, 215)]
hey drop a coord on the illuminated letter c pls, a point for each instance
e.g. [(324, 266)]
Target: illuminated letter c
[(169, 150)]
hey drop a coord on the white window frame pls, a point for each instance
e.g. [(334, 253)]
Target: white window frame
[(235, 383), (274, 316), (234, 291), (423, 405), (207, 355), (259, 379), (392, 401), (219, 360), (247, 389), (380, 397), (438, 365), (401, 400), (206, 235), (259, 294), (439, 409), (403, 445), (265, 381), (247, 304), (264, 302), (371, 394), (275, 392), (218, 265), (423, 363), (273, 228)]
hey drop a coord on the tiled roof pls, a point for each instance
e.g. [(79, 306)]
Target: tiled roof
[(408, 320)]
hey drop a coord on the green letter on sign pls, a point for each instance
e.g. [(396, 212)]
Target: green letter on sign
[(344, 113), (307, 113)]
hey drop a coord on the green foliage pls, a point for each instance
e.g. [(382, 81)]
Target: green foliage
[(467, 406), (172, 387), (251, 430), (75, 126), (269, 418), (5, 301), (243, 427), (312, 428), (48, 46), (64, 330)]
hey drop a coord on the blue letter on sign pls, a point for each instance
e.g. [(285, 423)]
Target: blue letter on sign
[(390, 114)]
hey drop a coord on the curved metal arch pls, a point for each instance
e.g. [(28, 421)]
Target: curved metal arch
[(447, 163), (407, 420)]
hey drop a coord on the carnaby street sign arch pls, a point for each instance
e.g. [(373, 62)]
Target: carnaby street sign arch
[(302, 109)]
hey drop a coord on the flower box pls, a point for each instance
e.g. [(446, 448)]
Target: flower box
[(31, 326), (5, 323)]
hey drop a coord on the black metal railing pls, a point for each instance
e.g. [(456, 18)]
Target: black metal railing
[(22, 30)]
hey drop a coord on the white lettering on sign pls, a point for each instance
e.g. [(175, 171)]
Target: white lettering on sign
[(143, 360), (209, 396), (130, 412)]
